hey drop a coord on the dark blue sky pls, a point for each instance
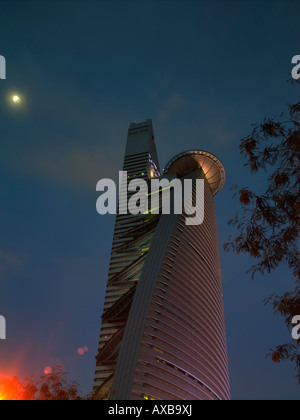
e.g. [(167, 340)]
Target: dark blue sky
[(204, 71)]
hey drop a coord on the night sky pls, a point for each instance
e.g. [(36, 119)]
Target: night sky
[(204, 71)]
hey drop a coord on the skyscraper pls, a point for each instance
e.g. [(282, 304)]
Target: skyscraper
[(163, 328)]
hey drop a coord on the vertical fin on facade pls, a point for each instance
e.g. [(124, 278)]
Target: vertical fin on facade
[(132, 239)]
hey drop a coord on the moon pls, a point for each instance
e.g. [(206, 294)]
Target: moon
[(16, 99)]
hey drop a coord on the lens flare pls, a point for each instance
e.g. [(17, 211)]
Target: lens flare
[(47, 370), (82, 350)]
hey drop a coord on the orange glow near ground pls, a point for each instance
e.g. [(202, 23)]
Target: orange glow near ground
[(10, 389)]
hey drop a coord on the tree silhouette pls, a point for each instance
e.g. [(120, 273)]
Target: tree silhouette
[(268, 223)]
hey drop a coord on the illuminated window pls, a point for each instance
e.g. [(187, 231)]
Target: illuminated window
[(157, 349), (148, 397)]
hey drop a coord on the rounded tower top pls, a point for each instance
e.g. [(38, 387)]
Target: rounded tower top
[(213, 169)]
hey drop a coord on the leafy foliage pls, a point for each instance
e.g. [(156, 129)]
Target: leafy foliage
[(268, 225)]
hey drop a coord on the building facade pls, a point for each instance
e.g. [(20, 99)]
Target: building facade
[(163, 328)]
